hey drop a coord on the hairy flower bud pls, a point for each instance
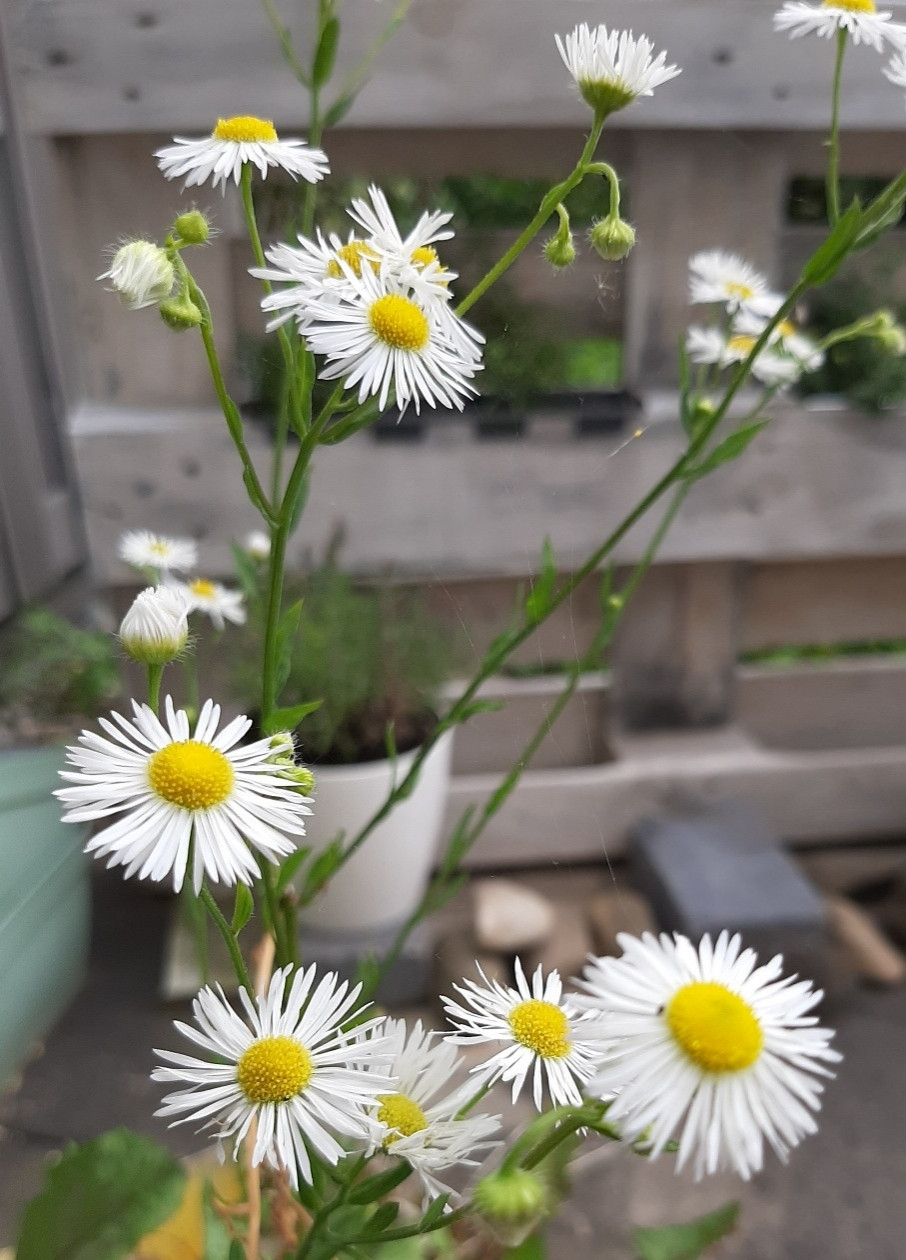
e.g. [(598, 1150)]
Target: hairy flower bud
[(180, 314), (560, 250), (890, 334), (156, 628), (512, 1202), (141, 274), (192, 227), (612, 238)]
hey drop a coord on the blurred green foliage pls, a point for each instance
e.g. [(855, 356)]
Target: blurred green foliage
[(52, 668), (793, 654)]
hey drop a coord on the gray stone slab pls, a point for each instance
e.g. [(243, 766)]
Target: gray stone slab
[(723, 868)]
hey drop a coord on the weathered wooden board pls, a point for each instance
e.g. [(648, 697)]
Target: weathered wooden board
[(140, 65)]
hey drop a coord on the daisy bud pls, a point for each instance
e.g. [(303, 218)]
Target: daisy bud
[(155, 629), (180, 314), (192, 227), (300, 776), (612, 238), (511, 1203), (283, 744), (560, 250), (890, 334), (257, 544), (140, 274)]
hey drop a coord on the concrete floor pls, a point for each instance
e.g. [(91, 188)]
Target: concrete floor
[(840, 1198)]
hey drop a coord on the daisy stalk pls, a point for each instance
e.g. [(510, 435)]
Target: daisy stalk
[(833, 143)]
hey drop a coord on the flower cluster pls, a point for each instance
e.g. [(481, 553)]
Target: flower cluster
[(378, 307), (723, 279), (159, 558), (695, 1045)]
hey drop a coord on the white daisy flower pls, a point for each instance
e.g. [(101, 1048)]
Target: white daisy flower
[(313, 270), (144, 550), (718, 276), (221, 603), (785, 335), (418, 1119), (859, 18), (181, 796), (612, 68), (896, 71), (257, 544), (412, 259), (156, 627), (711, 346), (290, 1068), (380, 339), (233, 143), (708, 1048), (538, 1029), (141, 274)]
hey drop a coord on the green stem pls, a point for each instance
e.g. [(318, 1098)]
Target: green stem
[(605, 169), (227, 406), (545, 210), (505, 647), (833, 144), (282, 951), (155, 674), (408, 1231), (229, 939)]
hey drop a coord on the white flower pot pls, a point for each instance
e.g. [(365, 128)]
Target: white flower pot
[(382, 884)]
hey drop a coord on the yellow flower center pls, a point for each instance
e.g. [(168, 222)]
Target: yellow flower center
[(245, 129), (717, 1029), (398, 322), (274, 1070), (202, 587), (424, 256), (740, 344), (854, 6), (542, 1027), (786, 328), (402, 1113), (353, 255), (191, 775), (159, 548), (743, 291)]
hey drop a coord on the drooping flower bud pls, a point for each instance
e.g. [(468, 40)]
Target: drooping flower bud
[(890, 334), (156, 628), (141, 274), (192, 227), (180, 313), (560, 250), (612, 238)]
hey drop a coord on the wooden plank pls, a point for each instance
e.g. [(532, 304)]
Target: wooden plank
[(146, 65)]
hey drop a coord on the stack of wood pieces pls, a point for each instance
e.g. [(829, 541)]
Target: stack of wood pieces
[(865, 897)]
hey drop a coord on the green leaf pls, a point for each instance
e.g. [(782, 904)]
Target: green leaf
[(289, 719), (826, 260), (382, 1183), (243, 908), (339, 109), (101, 1199), (246, 571), (217, 1242), (383, 1218), (434, 1212), (479, 706), (730, 448), (686, 1242), (538, 599), (290, 867), (326, 54), (323, 866), (287, 630)]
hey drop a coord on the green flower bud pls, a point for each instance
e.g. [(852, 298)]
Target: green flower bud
[(180, 313), (192, 227), (560, 250), (512, 1202), (612, 238), (890, 334), (141, 274)]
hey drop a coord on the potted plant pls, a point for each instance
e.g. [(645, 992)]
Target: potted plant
[(375, 659), (55, 678)]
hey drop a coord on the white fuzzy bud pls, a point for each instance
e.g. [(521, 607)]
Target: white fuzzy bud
[(156, 628), (141, 274)]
